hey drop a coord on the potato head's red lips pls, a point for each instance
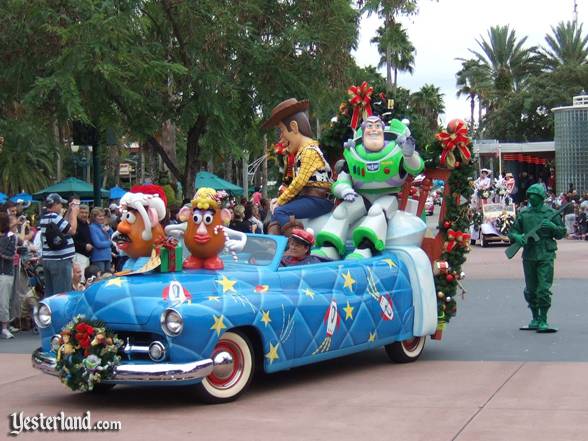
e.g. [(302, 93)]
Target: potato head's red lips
[(201, 238)]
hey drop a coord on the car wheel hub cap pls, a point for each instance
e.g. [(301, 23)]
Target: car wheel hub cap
[(223, 365), (228, 365), (412, 344)]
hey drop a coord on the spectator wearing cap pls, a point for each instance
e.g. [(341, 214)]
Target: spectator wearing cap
[(83, 240), (58, 255), (114, 216), (298, 252), (100, 233)]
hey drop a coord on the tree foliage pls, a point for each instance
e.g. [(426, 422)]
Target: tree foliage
[(517, 86), (214, 69)]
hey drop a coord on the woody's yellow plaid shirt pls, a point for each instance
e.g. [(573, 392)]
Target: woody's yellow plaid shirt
[(310, 163)]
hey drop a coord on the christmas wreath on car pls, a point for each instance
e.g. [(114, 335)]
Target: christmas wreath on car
[(87, 354)]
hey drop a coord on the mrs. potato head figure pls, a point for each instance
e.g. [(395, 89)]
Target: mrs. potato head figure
[(205, 236)]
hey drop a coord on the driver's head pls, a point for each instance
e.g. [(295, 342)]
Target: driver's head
[(300, 242)]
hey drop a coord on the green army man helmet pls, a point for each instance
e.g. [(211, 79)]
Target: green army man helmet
[(538, 190)]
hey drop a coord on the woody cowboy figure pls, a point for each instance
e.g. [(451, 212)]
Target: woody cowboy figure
[(307, 196)]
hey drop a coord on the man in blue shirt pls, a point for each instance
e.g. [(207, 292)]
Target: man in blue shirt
[(58, 249)]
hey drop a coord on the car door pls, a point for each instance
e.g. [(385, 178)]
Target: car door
[(326, 296)]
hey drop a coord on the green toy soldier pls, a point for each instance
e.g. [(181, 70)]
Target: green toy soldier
[(536, 229)]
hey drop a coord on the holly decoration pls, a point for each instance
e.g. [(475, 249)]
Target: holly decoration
[(87, 353), (449, 144)]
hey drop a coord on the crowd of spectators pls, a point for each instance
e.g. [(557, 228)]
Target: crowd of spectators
[(68, 245)]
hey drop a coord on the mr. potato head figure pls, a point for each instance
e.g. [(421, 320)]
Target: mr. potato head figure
[(143, 209)]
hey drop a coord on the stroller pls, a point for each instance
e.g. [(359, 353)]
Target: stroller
[(27, 290)]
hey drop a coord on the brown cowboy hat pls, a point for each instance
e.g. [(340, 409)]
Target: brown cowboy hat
[(285, 109)]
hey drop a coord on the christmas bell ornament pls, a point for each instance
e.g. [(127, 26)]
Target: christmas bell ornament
[(440, 267), (455, 124)]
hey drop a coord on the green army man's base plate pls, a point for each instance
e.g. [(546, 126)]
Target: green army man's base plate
[(548, 330)]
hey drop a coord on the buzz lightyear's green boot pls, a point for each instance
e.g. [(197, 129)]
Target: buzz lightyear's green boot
[(543, 327), (533, 324)]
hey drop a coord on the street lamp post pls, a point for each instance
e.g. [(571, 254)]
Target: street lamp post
[(82, 161), (85, 134)]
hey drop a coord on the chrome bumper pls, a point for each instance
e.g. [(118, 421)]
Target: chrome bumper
[(138, 373)]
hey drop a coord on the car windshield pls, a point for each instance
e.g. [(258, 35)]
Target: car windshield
[(258, 251)]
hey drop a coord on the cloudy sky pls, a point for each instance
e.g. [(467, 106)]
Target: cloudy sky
[(445, 30)]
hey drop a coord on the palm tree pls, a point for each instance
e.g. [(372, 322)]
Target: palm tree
[(388, 9), (396, 51), (428, 102), (473, 82), (26, 160), (508, 62), (566, 46)]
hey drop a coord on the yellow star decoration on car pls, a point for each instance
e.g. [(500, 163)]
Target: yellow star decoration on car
[(349, 281), (309, 293), (265, 317), (348, 311), (390, 262), (218, 325), (372, 337), (117, 281), (214, 298), (227, 284), (273, 353)]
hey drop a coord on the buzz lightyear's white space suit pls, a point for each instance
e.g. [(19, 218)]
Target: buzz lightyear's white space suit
[(368, 185)]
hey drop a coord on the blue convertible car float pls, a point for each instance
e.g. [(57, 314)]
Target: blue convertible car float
[(229, 312), (211, 328)]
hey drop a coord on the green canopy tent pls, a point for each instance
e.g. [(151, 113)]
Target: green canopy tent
[(207, 179), (69, 187)]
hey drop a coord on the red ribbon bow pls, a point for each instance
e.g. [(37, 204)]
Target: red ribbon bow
[(167, 242), (455, 238), (360, 98), (456, 136), (280, 149)]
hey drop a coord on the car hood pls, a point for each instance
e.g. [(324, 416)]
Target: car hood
[(134, 299)]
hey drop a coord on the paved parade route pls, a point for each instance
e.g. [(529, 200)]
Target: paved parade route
[(484, 381)]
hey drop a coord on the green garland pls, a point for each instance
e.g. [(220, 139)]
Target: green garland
[(457, 219), (87, 354)]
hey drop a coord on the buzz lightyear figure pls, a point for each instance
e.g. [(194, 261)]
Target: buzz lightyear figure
[(373, 174)]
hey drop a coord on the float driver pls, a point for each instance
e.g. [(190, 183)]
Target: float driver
[(373, 174)]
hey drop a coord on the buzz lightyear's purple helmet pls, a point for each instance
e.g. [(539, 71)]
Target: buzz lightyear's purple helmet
[(372, 119)]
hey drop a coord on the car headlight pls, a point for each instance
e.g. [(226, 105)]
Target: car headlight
[(42, 315), (172, 322), (55, 342)]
